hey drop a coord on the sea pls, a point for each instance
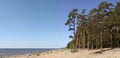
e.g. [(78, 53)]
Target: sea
[(22, 51)]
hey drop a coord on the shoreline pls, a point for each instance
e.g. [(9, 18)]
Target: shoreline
[(7, 52), (30, 54), (66, 53)]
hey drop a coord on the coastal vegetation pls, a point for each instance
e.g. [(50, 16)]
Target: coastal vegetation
[(98, 29)]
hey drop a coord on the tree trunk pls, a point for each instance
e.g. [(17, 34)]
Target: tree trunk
[(79, 40), (88, 42), (84, 40), (111, 41), (117, 34), (74, 35), (96, 44), (76, 42), (74, 39), (101, 42), (92, 44)]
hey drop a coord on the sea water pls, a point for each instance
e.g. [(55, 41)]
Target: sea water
[(21, 51)]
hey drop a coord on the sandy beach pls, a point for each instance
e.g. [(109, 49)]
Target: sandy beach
[(66, 53)]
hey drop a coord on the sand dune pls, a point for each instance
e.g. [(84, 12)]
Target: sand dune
[(66, 53)]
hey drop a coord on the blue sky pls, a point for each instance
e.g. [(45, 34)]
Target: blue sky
[(38, 23)]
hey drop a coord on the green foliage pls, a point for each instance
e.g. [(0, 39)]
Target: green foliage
[(70, 45), (100, 28)]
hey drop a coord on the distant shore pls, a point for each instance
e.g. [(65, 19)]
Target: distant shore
[(66, 53)]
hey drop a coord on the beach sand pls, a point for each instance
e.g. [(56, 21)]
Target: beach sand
[(66, 53)]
